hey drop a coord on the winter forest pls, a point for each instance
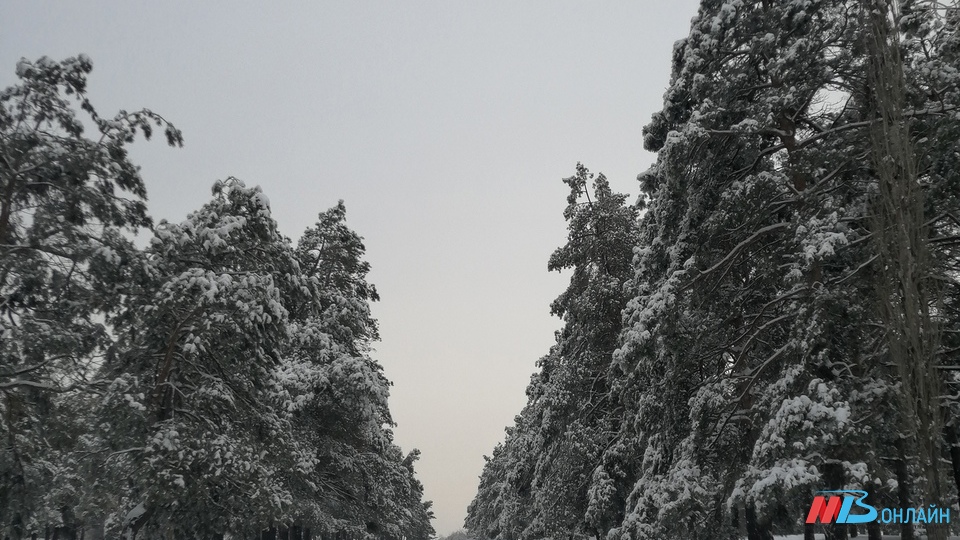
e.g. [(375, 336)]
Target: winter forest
[(214, 384), (777, 314)]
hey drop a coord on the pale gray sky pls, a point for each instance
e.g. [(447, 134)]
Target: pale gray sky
[(445, 126)]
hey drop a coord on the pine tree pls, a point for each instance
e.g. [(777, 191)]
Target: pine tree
[(188, 414), (243, 397), (337, 395), (66, 201), (733, 330), (553, 452)]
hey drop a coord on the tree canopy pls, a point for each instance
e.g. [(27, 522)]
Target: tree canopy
[(750, 337), (217, 382)]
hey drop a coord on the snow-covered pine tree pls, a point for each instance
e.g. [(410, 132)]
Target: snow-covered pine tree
[(66, 200), (553, 452), (337, 396), (582, 417), (732, 327), (243, 396), (504, 506), (755, 352), (487, 506), (196, 443)]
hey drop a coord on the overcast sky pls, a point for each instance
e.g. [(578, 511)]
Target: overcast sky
[(445, 126)]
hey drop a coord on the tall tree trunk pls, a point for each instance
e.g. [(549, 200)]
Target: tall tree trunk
[(903, 486), (905, 287), (953, 442), (833, 477)]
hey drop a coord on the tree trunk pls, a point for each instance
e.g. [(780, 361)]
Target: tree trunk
[(953, 442), (903, 486), (905, 286), (833, 478), (755, 529), (741, 522), (97, 531)]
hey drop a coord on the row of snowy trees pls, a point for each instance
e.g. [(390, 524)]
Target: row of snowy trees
[(216, 383), (783, 316)]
